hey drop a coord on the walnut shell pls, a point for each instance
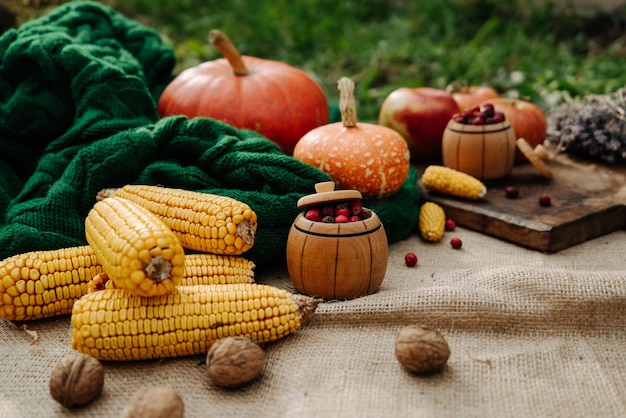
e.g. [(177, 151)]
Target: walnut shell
[(421, 349), (77, 379), (234, 361), (155, 402)]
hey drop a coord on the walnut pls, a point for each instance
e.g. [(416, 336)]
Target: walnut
[(76, 380), (155, 402), (234, 361), (421, 349)]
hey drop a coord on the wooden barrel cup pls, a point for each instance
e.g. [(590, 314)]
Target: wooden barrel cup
[(336, 260), (486, 152)]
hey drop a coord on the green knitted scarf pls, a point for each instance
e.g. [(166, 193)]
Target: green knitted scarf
[(78, 92)]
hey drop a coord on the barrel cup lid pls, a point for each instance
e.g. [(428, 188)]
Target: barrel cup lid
[(326, 193)]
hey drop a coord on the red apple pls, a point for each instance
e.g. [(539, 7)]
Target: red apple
[(527, 119), (468, 96), (420, 115)]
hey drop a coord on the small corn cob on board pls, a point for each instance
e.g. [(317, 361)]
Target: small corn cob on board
[(432, 221), (111, 324), (203, 222), (452, 182), (42, 284), (135, 248)]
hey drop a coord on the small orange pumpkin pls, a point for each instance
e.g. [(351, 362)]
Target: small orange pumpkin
[(277, 100), (372, 159)]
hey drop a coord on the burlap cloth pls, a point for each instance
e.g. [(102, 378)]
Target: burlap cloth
[(531, 334)]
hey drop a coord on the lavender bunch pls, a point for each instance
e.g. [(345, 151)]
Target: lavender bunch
[(591, 127)]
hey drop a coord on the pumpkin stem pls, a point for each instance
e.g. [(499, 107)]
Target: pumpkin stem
[(347, 105), (228, 50)]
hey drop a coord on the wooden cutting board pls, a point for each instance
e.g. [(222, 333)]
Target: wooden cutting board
[(588, 200)]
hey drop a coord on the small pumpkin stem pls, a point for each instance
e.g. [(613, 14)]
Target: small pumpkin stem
[(228, 50), (347, 105)]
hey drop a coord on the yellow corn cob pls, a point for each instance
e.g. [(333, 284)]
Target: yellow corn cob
[(200, 269), (135, 248), (432, 221), (42, 284), (203, 222), (113, 325), (203, 269), (453, 182)]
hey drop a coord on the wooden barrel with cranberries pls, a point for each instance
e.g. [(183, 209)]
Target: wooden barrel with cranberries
[(480, 142), (336, 248)]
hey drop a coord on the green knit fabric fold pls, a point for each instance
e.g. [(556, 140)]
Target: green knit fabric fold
[(78, 92)]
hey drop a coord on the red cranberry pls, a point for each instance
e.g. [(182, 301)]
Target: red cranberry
[(511, 192), (410, 259), (456, 243), (314, 215), (497, 118), (450, 225), (354, 218), (478, 121), (544, 200), (341, 219), (342, 210), (356, 208), (488, 110)]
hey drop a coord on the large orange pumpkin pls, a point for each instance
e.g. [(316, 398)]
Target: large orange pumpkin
[(372, 159), (275, 99)]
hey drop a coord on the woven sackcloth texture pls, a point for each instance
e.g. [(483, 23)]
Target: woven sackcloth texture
[(78, 91), (531, 335)]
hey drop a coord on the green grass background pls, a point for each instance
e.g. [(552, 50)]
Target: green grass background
[(542, 54)]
